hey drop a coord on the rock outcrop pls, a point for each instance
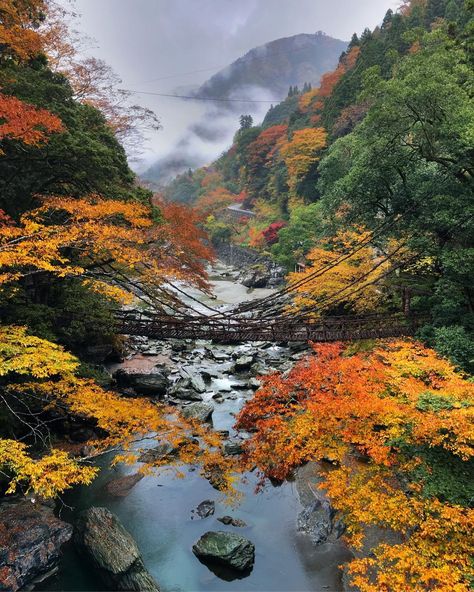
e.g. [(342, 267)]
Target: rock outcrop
[(205, 509), (30, 542), (112, 550)]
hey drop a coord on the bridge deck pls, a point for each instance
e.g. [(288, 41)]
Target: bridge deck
[(239, 330)]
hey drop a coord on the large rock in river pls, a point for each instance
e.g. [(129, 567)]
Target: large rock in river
[(30, 541), (153, 384), (226, 548), (256, 277), (112, 550), (199, 411)]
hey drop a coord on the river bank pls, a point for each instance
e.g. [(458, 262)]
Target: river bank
[(159, 510)]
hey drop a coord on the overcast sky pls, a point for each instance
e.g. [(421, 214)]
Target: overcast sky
[(146, 40)]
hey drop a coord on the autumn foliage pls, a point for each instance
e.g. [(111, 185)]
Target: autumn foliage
[(65, 236), (264, 147), (353, 279), (25, 123), (37, 370), (312, 101), (302, 152), (18, 28), (116, 247), (385, 420), (270, 233)]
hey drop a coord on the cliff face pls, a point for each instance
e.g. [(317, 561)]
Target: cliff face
[(277, 65)]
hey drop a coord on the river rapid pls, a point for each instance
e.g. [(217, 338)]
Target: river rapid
[(159, 511)]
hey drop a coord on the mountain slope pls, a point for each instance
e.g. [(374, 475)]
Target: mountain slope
[(265, 72), (277, 65)]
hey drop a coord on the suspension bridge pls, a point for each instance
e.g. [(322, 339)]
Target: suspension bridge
[(228, 330), (271, 318)]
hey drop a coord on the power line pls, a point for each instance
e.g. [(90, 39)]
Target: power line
[(254, 54), (183, 74), (191, 98)]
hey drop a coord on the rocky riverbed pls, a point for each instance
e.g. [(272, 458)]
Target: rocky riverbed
[(284, 538)]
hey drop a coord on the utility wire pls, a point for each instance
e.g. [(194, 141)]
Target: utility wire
[(215, 99), (251, 56)]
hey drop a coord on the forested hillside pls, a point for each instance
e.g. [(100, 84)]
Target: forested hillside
[(264, 73), (292, 61), (383, 146)]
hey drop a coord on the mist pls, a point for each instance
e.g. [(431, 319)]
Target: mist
[(174, 46)]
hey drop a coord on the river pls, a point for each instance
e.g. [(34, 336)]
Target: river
[(158, 511)]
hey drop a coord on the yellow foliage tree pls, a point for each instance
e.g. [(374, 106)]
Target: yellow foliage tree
[(341, 276), (35, 373), (68, 236), (302, 152)]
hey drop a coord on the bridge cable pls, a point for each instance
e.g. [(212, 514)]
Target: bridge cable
[(322, 270)]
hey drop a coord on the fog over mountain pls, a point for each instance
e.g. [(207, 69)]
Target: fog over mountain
[(263, 75), (174, 46)]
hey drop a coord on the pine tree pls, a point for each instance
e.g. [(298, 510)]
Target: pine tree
[(354, 42), (246, 122)]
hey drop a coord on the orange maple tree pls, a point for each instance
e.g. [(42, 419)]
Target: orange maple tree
[(377, 417), (214, 200), (312, 101), (19, 35), (25, 123), (261, 150)]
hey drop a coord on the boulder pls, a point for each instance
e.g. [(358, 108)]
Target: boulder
[(153, 384), (225, 548), (243, 363), (197, 383), (317, 520), (229, 520), (199, 411), (209, 373), (232, 447), (99, 352), (257, 277), (112, 550), (205, 509), (163, 450), (220, 356), (30, 541), (186, 395)]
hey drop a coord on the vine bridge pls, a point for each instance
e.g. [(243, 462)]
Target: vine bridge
[(342, 328), (274, 318)]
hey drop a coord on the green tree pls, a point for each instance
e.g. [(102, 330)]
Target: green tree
[(246, 122), (412, 157), (85, 158), (305, 227)]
